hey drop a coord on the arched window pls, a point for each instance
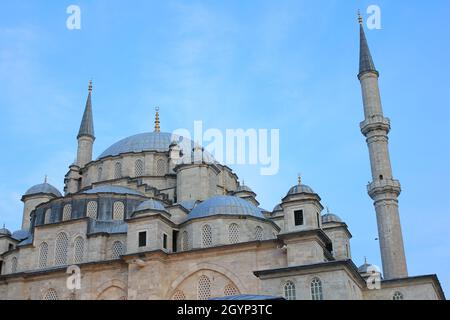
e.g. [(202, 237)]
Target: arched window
[(67, 212), (117, 250), (160, 167), (50, 295), (207, 236), (117, 170), (47, 216), (178, 295), (78, 245), (230, 290), (289, 291), (185, 241), (397, 296), (204, 288), (43, 255), (99, 174), (316, 289), (233, 233), (91, 209), (139, 168), (62, 243), (14, 265), (118, 210), (258, 233)]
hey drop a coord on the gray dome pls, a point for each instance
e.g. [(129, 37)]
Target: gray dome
[(113, 189), (225, 205), (330, 217), (366, 266), (277, 208), (43, 188), (5, 232), (151, 205), (244, 188), (300, 188)]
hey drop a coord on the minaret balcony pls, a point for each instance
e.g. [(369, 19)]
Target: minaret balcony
[(375, 123), (384, 186)]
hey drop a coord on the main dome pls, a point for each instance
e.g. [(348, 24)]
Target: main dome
[(150, 141)]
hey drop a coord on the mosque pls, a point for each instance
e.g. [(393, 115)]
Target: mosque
[(144, 221)]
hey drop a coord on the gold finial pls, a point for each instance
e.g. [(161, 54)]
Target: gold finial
[(299, 178), (360, 20), (157, 127), (90, 85)]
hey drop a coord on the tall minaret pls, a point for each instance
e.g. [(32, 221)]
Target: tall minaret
[(86, 133), (383, 189)]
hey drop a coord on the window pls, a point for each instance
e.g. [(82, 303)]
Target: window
[(206, 236), (47, 216), (62, 243), (233, 233), (160, 167), (142, 239), (139, 168), (164, 241), (289, 291), (118, 210), (117, 170), (50, 295), (230, 290), (117, 250), (316, 289), (397, 296), (185, 245), (43, 255), (258, 233), (14, 265), (204, 288), (99, 174), (298, 215), (179, 295), (67, 212), (91, 209), (78, 250)]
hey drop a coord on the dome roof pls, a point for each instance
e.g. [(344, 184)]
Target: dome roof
[(330, 217), (43, 188), (228, 205), (277, 208), (188, 204), (300, 188), (5, 232), (21, 234), (244, 188), (368, 268), (151, 205), (113, 189)]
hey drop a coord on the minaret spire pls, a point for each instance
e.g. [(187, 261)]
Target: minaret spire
[(86, 134), (157, 127), (384, 189)]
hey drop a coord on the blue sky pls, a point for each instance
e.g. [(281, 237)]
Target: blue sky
[(290, 65)]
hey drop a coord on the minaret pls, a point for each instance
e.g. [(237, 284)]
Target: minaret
[(383, 189), (86, 133)]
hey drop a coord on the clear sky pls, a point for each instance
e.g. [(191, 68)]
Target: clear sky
[(290, 65)]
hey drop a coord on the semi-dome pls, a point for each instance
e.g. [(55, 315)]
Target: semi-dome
[(330, 217), (151, 205), (45, 187), (113, 189), (225, 205)]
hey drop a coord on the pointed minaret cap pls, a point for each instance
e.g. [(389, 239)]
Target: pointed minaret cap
[(157, 127), (365, 58), (87, 123)]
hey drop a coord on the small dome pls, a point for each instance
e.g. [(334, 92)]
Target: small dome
[(277, 208), (368, 268), (5, 232), (300, 188), (43, 188), (113, 189), (244, 188), (330, 217), (225, 205), (151, 205)]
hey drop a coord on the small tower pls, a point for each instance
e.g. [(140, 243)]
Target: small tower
[(86, 133), (383, 189)]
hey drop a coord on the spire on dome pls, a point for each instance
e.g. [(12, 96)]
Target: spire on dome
[(157, 127), (87, 122), (365, 58)]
